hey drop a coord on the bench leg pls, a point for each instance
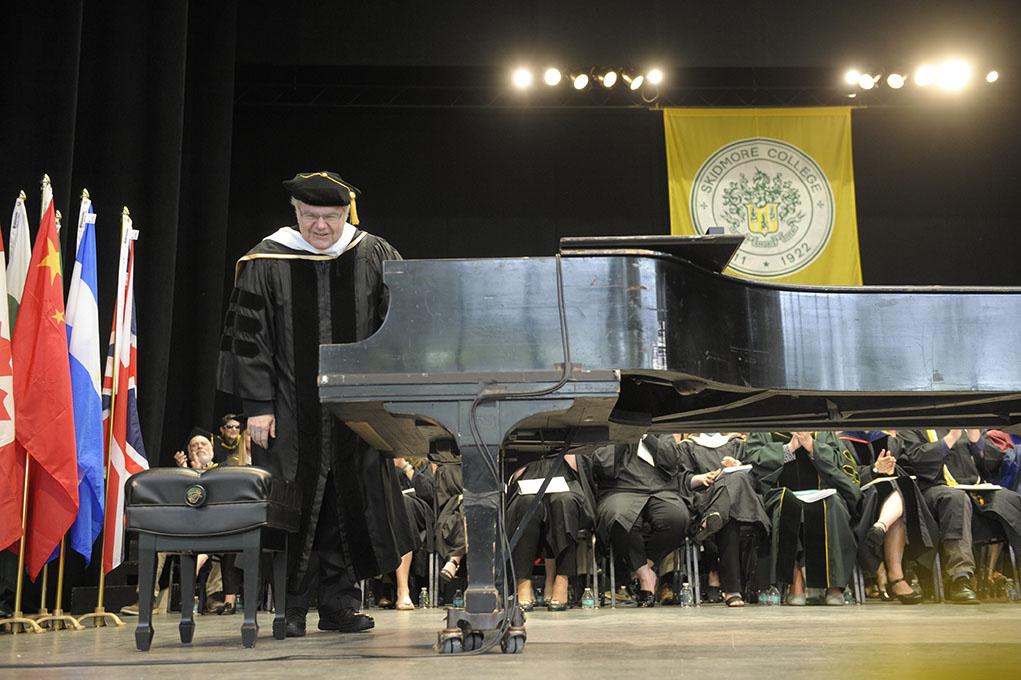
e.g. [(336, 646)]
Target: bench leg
[(146, 584), (187, 626), (250, 627), (280, 593)]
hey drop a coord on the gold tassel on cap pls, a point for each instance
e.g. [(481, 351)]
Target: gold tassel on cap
[(352, 215)]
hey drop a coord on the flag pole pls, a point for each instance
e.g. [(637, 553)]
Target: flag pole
[(58, 620), (42, 594), (18, 622), (100, 615)]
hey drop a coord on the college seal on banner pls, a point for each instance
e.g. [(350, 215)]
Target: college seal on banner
[(772, 193)]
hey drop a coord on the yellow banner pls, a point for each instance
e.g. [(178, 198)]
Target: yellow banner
[(782, 178)]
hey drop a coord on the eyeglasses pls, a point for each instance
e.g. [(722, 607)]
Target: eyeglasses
[(312, 218), (232, 427)]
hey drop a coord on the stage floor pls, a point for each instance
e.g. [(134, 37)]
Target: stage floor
[(879, 640)]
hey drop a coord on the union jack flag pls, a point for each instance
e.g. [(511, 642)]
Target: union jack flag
[(125, 451)]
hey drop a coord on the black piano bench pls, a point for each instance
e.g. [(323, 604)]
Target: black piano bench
[(243, 510)]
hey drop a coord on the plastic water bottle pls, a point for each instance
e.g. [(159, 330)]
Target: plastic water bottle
[(195, 605), (848, 597), (770, 597), (684, 598), (458, 601), (539, 598), (423, 598), (588, 599)]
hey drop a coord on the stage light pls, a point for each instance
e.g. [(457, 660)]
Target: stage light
[(953, 75), (633, 82), (992, 77), (895, 81), (654, 76), (551, 77), (522, 78), (580, 81), (852, 76), (866, 81), (925, 75), (609, 79)]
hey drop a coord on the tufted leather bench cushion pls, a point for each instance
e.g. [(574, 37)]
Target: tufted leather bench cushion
[(230, 499)]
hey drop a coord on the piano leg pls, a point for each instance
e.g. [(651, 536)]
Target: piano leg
[(483, 611)]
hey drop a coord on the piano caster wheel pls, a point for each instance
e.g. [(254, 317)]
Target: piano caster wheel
[(472, 641), (451, 646), (513, 642), (450, 641)]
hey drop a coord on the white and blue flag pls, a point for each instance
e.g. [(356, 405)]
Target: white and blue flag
[(82, 319)]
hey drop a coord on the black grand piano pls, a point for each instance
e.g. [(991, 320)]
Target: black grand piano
[(618, 336)]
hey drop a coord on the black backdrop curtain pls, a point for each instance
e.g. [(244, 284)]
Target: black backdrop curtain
[(133, 100)]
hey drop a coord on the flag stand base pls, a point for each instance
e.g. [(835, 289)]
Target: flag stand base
[(19, 623), (58, 620), (101, 617)]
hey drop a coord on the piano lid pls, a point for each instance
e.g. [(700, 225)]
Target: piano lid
[(712, 252), (658, 342)]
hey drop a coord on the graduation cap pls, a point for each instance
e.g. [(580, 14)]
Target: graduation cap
[(323, 188), (199, 432)]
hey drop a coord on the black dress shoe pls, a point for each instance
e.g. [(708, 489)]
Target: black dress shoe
[(646, 598), (960, 592), (345, 621), (711, 523), (294, 622)]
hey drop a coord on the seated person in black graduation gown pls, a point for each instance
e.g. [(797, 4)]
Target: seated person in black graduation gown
[(943, 459), (556, 528), (895, 522), (451, 543), (640, 511), (817, 536), (418, 489), (730, 510)]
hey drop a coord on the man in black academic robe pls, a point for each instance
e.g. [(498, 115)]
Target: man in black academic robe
[(819, 535), (317, 283), (640, 511), (942, 460)]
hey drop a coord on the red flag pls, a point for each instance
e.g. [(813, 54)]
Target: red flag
[(12, 464), (44, 412)]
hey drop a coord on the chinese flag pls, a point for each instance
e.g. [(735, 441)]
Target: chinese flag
[(44, 415)]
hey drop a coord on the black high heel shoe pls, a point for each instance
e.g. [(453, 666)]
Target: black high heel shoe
[(911, 598)]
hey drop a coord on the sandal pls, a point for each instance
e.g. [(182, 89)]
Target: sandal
[(526, 605), (449, 571), (404, 605), (734, 600), (909, 598)]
